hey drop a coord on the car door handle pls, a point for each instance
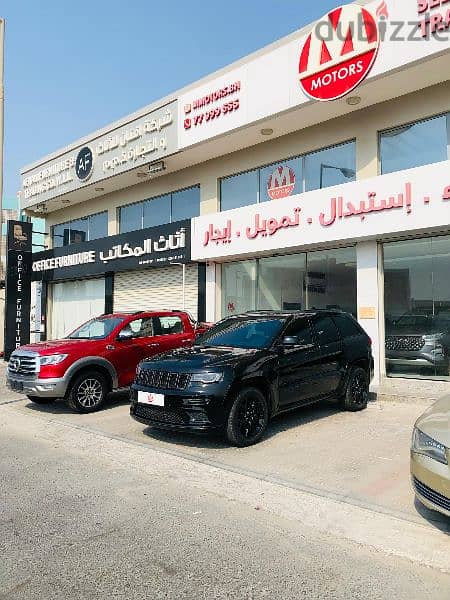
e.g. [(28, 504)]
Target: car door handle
[(186, 341), (110, 347), (153, 345)]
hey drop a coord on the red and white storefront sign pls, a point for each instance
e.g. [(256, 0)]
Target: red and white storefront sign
[(412, 201), (339, 52)]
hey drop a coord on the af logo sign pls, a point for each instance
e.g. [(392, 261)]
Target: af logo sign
[(281, 183), (339, 52), (84, 164)]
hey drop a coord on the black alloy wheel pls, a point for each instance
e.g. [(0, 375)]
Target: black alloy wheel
[(357, 392), (248, 418)]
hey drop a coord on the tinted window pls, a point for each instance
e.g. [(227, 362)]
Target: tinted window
[(157, 211), (167, 325), (243, 333), (414, 145), (346, 326), (302, 331), (59, 235), (96, 329), (326, 331), (186, 204), (239, 190), (78, 232), (331, 166), (98, 226), (130, 217)]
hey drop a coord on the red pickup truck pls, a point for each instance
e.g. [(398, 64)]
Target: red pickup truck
[(98, 357)]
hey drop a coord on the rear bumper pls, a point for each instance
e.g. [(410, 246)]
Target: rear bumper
[(42, 388)]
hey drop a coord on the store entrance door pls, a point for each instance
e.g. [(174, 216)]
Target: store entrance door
[(73, 303)]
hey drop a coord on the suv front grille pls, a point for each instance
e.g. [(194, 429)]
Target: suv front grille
[(409, 343), (23, 364), (163, 380), (163, 415)]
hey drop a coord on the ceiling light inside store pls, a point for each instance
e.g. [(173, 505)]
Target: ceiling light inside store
[(99, 189), (353, 100), (65, 201), (141, 174), (267, 131)]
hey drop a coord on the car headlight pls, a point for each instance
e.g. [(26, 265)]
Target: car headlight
[(52, 359), (206, 377), (424, 444)]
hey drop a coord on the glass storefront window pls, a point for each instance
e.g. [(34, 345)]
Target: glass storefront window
[(239, 190), (417, 308), (157, 211), (331, 279), (323, 168), (238, 287), (98, 226), (59, 234), (281, 282), (331, 166), (130, 217), (325, 279), (78, 232), (186, 204), (414, 145)]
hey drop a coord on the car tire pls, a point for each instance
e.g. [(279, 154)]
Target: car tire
[(356, 393), (87, 392), (248, 418), (40, 400)]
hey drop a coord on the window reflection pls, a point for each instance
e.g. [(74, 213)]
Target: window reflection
[(186, 204), (414, 145), (80, 230), (417, 307), (324, 168), (130, 217), (239, 190), (157, 211), (331, 166), (325, 279)]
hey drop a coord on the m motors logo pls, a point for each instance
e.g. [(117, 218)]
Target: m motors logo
[(339, 52), (281, 183)]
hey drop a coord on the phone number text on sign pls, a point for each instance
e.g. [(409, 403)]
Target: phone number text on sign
[(212, 114)]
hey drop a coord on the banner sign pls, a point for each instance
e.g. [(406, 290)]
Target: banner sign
[(18, 286), (151, 247)]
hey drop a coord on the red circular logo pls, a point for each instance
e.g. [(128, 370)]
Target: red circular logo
[(281, 183), (339, 52)]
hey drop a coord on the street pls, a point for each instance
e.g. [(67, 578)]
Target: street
[(85, 515)]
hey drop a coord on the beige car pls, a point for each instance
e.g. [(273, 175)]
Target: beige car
[(430, 457)]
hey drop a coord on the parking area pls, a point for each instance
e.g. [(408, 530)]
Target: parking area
[(361, 458)]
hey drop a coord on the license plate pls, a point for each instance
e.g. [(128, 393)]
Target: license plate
[(149, 398), (16, 386)]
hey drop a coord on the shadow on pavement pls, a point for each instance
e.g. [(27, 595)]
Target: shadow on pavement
[(279, 424), (433, 517), (60, 406)]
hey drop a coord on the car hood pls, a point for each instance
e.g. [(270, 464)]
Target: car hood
[(59, 346), (200, 358), (435, 421)]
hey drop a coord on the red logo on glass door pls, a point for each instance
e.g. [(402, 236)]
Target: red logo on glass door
[(281, 183), (339, 52)]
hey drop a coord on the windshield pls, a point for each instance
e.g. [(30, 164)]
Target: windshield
[(243, 332), (95, 329)]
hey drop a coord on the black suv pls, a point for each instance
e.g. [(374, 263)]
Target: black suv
[(250, 367)]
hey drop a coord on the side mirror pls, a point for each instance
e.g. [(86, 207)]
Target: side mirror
[(290, 340), (124, 335)]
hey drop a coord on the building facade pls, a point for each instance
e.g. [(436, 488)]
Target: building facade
[(312, 174)]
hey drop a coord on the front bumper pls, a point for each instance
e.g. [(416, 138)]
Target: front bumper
[(188, 410), (33, 386), (431, 482), (431, 360)]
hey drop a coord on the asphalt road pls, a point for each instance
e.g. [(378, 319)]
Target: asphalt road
[(85, 517)]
